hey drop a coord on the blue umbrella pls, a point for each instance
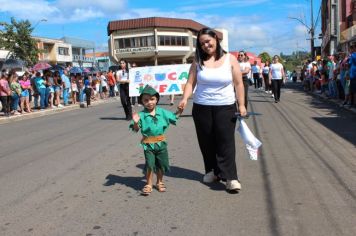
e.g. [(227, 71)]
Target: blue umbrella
[(75, 70), (57, 68)]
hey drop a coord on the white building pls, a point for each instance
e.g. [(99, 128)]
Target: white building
[(54, 51), (155, 40)]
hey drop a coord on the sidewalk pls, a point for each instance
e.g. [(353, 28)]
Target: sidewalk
[(37, 113)]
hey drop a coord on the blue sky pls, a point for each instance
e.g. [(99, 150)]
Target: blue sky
[(253, 25)]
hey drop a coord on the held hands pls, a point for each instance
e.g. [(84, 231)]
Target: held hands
[(242, 110), (181, 107), (135, 117), (182, 104)]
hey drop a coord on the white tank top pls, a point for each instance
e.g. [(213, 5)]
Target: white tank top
[(214, 85)]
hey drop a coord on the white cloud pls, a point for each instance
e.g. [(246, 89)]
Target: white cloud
[(255, 33), (32, 10), (153, 12), (214, 4), (61, 11), (108, 6)]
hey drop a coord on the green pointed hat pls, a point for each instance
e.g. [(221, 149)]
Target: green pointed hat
[(150, 91)]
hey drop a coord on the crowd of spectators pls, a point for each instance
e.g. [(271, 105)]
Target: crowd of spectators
[(47, 89), (333, 77)]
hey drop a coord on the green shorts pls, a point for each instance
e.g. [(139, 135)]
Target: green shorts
[(156, 157)]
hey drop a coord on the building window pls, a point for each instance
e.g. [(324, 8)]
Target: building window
[(161, 40), (116, 43), (63, 51), (179, 40), (75, 51), (167, 40), (174, 41), (184, 41), (150, 41), (46, 48), (127, 43), (136, 42)]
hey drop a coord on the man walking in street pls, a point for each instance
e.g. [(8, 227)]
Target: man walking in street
[(256, 74)]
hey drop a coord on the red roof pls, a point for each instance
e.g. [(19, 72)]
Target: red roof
[(156, 22), (252, 57)]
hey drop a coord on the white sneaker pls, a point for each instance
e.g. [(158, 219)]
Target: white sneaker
[(209, 177), (60, 105), (272, 95), (233, 185)]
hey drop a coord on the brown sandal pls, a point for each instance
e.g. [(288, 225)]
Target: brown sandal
[(161, 187), (147, 189)]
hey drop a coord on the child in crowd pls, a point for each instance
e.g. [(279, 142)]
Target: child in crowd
[(153, 122), (74, 89)]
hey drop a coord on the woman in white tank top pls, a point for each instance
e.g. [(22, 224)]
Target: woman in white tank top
[(216, 76)]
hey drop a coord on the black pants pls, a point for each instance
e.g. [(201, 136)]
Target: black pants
[(88, 95), (266, 81), (112, 90), (133, 100), (125, 100), (246, 84), (6, 104), (256, 78), (276, 84), (215, 128)]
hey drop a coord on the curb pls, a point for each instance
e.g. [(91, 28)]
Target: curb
[(36, 113)]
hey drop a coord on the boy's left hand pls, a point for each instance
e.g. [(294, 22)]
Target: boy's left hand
[(179, 111), (135, 117)]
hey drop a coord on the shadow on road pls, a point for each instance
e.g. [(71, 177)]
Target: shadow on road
[(112, 118), (252, 100), (344, 122), (137, 183)]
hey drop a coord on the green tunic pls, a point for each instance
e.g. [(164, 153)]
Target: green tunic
[(156, 154)]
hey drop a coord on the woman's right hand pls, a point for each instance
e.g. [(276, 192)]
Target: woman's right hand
[(182, 104)]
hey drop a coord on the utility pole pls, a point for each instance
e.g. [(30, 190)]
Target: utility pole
[(311, 31)]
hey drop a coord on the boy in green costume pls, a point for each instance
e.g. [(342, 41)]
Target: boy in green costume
[(153, 122)]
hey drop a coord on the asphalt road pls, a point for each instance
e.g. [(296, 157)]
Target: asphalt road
[(80, 173)]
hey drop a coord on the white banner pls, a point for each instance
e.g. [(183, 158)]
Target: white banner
[(167, 79)]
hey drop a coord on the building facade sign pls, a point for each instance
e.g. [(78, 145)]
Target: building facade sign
[(131, 50)]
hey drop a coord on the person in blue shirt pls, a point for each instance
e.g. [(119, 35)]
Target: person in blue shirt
[(40, 84), (352, 63), (66, 86), (87, 89)]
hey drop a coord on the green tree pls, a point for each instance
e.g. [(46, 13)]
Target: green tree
[(264, 57), (16, 38)]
